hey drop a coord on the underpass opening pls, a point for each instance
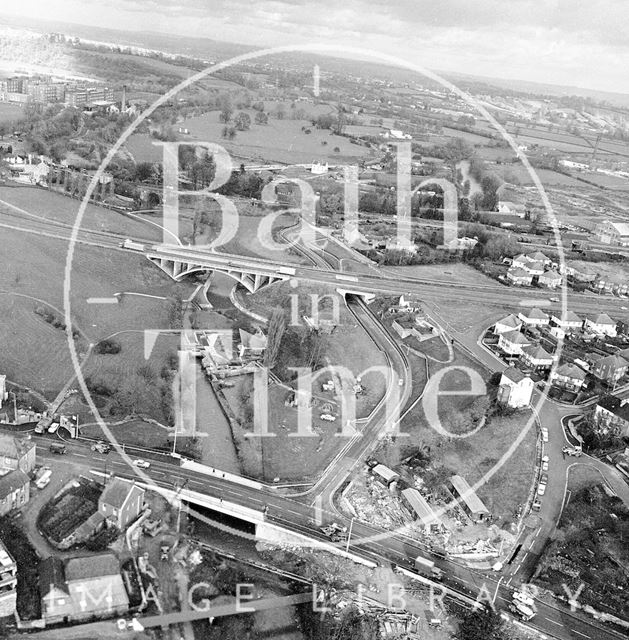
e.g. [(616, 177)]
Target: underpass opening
[(215, 521)]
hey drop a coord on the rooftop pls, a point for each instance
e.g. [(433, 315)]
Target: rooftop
[(570, 370), (468, 495), (510, 321), (514, 374), (14, 447), (420, 506), (515, 337), (537, 352), (116, 492), (86, 567), (618, 406), (11, 482), (534, 314)]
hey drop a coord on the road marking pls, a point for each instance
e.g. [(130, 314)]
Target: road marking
[(581, 634), (80, 455), (559, 624)]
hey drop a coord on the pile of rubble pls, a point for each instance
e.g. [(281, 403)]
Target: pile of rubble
[(376, 505)]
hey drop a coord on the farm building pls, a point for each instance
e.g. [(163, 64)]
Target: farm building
[(470, 502), (385, 475), (421, 510)]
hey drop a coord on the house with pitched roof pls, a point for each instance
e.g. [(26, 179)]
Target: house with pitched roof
[(534, 317), (568, 376), (601, 325), (252, 344), (16, 453), (509, 323), (14, 491), (518, 276), (512, 343), (8, 582), (610, 369), (121, 502), (568, 323), (81, 588), (17, 460), (612, 413), (537, 358), (515, 388), (550, 279)]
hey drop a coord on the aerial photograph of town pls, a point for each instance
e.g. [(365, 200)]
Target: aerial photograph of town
[(314, 320)]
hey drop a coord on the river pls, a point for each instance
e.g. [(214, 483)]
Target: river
[(464, 168)]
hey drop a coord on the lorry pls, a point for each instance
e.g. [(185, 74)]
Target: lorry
[(427, 567), (335, 532), (525, 612)]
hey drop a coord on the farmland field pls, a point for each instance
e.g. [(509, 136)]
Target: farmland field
[(37, 202), (278, 141), (34, 353)]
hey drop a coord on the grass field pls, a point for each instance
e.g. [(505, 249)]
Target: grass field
[(293, 458), (35, 354), (41, 203), (473, 456), (278, 141)]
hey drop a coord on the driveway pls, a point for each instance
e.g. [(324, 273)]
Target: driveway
[(62, 473)]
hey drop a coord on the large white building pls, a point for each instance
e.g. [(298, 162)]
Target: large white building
[(515, 388), (613, 233)]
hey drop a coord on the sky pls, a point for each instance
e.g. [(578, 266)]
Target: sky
[(567, 42)]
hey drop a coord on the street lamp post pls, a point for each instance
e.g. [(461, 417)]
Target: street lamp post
[(493, 601), (349, 535)]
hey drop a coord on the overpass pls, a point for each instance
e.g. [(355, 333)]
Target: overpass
[(256, 273)]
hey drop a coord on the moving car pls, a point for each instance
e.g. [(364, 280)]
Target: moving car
[(143, 464), (58, 448), (101, 447)]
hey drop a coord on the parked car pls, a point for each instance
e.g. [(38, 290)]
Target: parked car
[(143, 464), (164, 551), (327, 417), (537, 505), (53, 427), (541, 489), (544, 434), (544, 479)]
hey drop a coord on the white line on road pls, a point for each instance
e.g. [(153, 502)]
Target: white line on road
[(559, 624), (581, 634), (80, 455)]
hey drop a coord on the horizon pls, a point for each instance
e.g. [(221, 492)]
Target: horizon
[(452, 44)]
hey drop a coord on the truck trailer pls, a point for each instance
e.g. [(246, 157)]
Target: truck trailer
[(428, 568)]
